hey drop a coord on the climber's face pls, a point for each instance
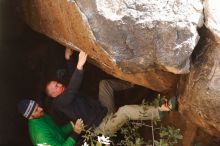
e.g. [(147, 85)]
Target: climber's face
[(54, 88)]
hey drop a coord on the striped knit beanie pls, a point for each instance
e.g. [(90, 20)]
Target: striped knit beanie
[(26, 107)]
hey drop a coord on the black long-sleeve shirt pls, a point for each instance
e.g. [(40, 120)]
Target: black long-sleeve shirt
[(75, 106)]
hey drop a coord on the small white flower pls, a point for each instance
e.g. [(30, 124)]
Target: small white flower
[(104, 140), (85, 144)]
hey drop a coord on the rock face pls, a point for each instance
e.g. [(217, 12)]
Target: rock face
[(212, 13), (200, 89), (140, 34), (200, 96), (143, 41)]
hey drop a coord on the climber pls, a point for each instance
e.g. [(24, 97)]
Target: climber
[(42, 129), (96, 112)]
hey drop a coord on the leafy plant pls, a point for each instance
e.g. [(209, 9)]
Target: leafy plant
[(131, 135), (168, 136)]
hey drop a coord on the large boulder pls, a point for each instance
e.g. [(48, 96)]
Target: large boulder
[(200, 90), (140, 34), (199, 98), (212, 19), (145, 42)]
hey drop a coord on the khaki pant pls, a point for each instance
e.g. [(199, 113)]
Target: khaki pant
[(113, 122)]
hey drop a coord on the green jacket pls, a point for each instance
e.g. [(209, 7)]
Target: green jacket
[(44, 131)]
